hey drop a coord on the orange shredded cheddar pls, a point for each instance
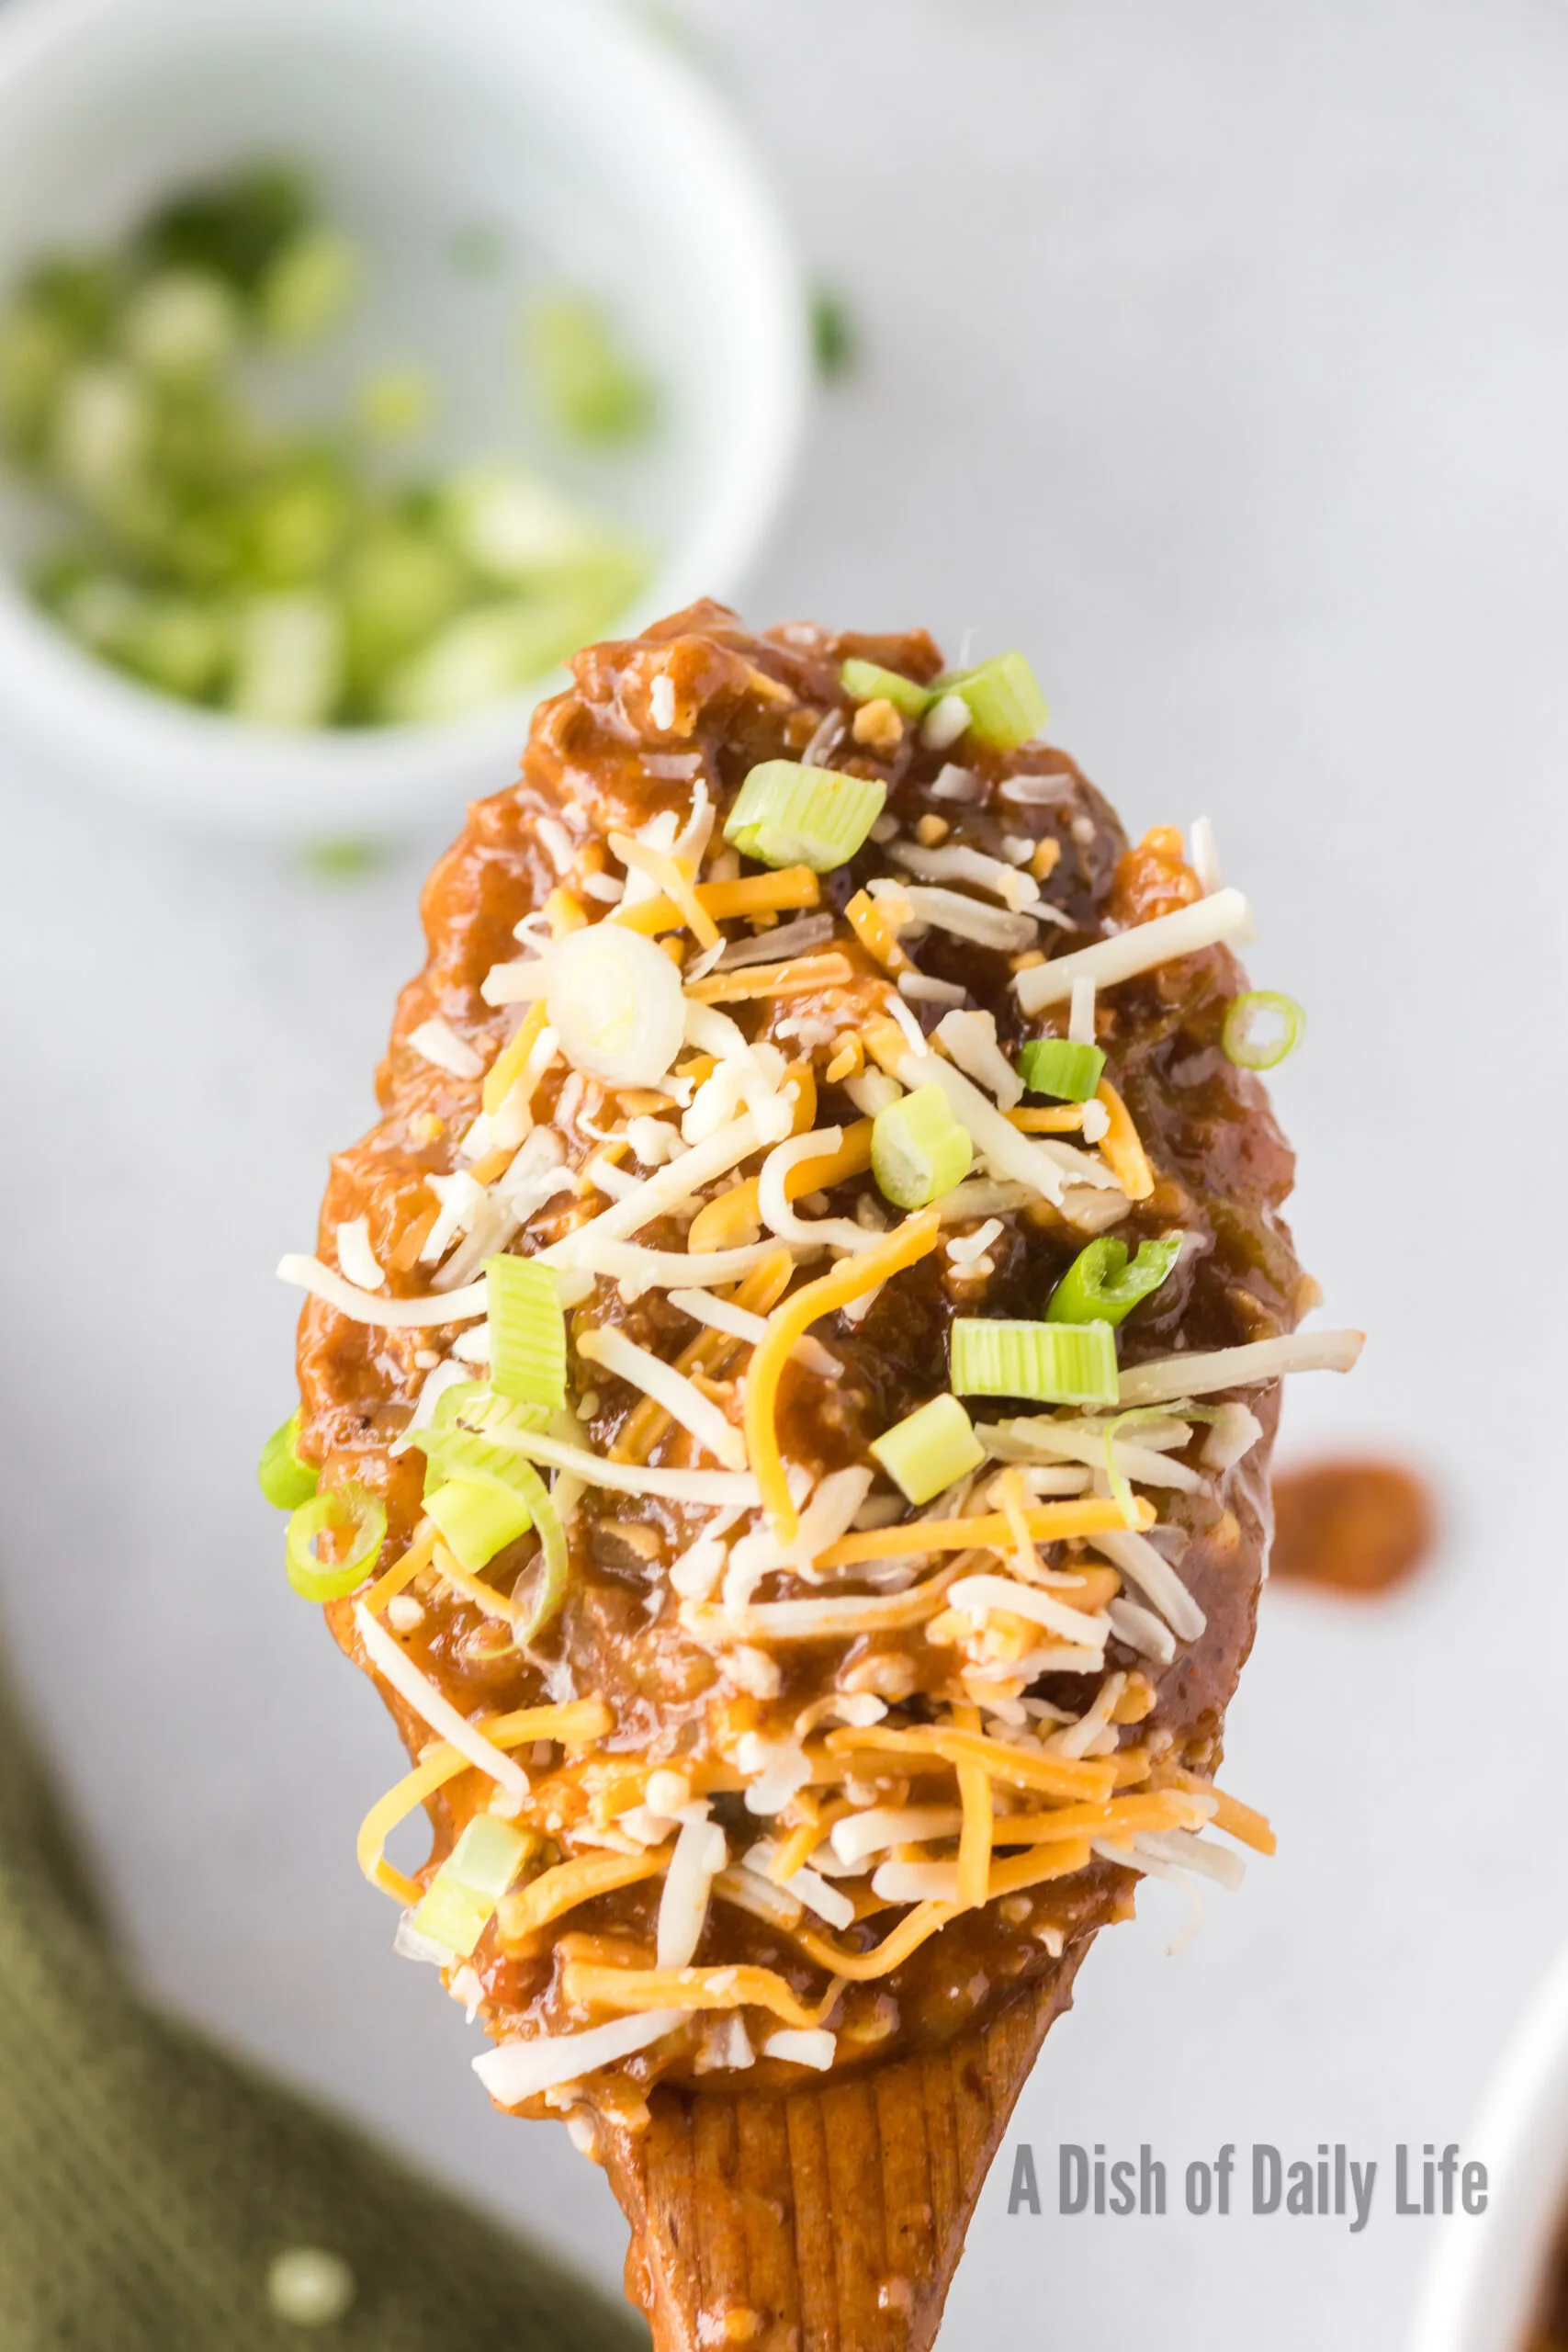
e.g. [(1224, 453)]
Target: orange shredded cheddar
[(1123, 1152), (507, 1067), (1063, 1776), (564, 912), (721, 1221), (402, 1572), (862, 1967), (675, 879), (760, 1291), (1032, 1870), (1238, 1820), (1047, 1522), (404, 1256), (802, 976), (1065, 1121), (627, 1990), (577, 1725), (793, 887), (562, 1889), (877, 933), (851, 1278), (1121, 1818), (978, 1831)]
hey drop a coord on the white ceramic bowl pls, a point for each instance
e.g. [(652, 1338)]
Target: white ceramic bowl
[(1488, 2271), (586, 140)]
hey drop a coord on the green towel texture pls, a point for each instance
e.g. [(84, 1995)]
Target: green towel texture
[(156, 2196)]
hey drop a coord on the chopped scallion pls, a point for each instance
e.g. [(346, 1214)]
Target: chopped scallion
[(1052, 1363), (929, 1449), (477, 1520), (527, 1332), (283, 1476), (869, 682), (1060, 1067), (788, 815), (918, 1150), (1006, 706), (591, 391), (460, 1900), (1260, 1028), (353, 1515), (1100, 1287)]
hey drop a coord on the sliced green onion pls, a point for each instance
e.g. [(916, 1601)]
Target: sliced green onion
[(1122, 1492), (460, 1900), (1100, 1287), (527, 1332), (468, 1440), (477, 1520), (1054, 1363), (475, 1448), (616, 1003), (289, 658), (868, 682), (1062, 1067), (554, 1562), (593, 392), (1006, 706), (1261, 1028), (789, 815), (351, 1512), (918, 1150), (283, 1479), (930, 1450)]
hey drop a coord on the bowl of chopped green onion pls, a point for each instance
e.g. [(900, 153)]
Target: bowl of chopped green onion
[(359, 361)]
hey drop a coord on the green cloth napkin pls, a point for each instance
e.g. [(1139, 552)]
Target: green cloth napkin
[(156, 2196)]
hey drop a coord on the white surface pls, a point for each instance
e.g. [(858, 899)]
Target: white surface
[(1218, 355), (567, 130), (1485, 2284)]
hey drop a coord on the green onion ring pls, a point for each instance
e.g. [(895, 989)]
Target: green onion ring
[(1249, 1052), (346, 1511)]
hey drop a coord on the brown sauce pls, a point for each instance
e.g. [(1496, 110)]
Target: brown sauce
[(1357, 1527)]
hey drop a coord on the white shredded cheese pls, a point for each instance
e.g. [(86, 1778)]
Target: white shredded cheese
[(880, 1827), (1231, 1437), (435, 1041), (957, 783), (773, 1203), (964, 918), (945, 721), (1246, 1367), (700, 1854), (671, 1389), (916, 1881), (518, 2070), (557, 842), (1005, 1150), (1139, 1562), (390, 1314), (1225, 918), (356, 1255), (666, 1189), (920, 988), (428, 1703), (1080, 1011), (803, 2046), (977, 1596), (965, 1247), (971, 1039), (954, 862), (1205, 857), (1141, 1629)]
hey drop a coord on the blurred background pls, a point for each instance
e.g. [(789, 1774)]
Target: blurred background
[(1216, 355)]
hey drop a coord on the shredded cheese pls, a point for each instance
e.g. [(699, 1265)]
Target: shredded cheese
[(903, 1247), (520, 2070), (1198, 1375), (465, 1305), (695, 1988), (1122, 1145), (683, 1403), (433, 1707), (801, 977), (436, 1042), (1223, 919)]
